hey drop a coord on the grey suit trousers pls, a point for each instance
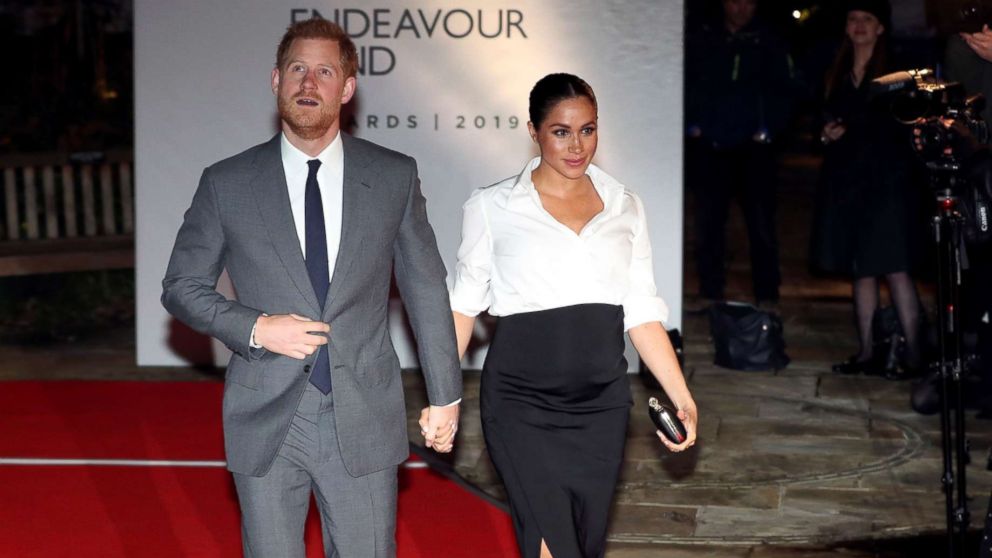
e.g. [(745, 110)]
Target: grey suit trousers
[(358, 514)]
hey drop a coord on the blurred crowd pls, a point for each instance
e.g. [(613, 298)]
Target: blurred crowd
[(761, 80)]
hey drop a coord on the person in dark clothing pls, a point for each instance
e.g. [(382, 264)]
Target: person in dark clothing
[(865, 205), (740, 87)]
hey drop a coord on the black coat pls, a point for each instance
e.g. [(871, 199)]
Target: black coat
[(866, 214)]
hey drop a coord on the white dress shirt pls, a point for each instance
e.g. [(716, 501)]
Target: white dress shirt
[(330, 177), (515, 257)]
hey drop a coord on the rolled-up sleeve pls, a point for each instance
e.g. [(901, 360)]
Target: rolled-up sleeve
[(642, 303), (471, 292)]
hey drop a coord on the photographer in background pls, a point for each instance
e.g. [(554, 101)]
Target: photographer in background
[(740, 89)]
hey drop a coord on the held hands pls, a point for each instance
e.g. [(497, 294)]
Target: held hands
[(438, 426), (687, 414), (290, 335)]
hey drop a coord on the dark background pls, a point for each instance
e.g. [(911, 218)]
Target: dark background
[(68, 65)]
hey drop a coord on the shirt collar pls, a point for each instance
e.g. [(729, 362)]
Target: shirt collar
[(606, 186), (330, 157)]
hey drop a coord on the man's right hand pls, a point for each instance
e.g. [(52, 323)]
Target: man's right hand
[(290, 335)]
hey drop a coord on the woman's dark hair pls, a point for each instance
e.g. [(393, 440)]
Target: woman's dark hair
[(843, 63), (551, 90)]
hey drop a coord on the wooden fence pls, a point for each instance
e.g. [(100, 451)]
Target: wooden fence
[(62, 215)]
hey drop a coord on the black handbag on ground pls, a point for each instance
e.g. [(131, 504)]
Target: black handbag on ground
[(747, 338)]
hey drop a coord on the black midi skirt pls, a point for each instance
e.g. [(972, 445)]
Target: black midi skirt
[(555, 401)]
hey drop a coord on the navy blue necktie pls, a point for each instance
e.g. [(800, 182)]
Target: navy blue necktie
[(317, 269)]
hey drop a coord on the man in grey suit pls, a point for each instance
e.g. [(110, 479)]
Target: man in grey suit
[(311, 226)]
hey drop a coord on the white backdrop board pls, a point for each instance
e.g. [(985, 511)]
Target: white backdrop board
[(446, 82)]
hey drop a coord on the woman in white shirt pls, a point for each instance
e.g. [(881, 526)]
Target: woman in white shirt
[(561, 254)]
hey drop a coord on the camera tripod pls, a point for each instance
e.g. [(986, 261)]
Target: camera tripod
[(947, 229)]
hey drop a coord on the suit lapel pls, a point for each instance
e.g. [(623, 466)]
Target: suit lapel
[(272, 197), (356, 214)]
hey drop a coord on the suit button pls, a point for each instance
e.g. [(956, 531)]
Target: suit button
[(306, 369)]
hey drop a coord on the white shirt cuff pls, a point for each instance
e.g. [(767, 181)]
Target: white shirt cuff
[(251, 340), (469, 299), (639, 310)]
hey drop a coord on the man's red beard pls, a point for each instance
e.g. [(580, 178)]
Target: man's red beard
[(307, 122)]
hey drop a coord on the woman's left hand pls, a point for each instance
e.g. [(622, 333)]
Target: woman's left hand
[(687, 414)]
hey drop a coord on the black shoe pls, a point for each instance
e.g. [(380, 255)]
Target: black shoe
[(855, 366)]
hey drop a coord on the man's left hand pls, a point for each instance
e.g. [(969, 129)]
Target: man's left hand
[(439, 426)]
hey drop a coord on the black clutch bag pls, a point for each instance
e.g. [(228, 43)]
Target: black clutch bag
[(667, 421)]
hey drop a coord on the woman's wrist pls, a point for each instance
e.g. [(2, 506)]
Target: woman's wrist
[(686, 404)]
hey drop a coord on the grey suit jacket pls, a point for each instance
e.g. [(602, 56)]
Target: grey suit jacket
[(240, 219)]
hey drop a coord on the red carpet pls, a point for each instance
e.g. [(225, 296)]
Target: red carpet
[(170, 511)]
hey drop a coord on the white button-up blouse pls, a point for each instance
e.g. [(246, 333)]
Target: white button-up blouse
[(515, 257)]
